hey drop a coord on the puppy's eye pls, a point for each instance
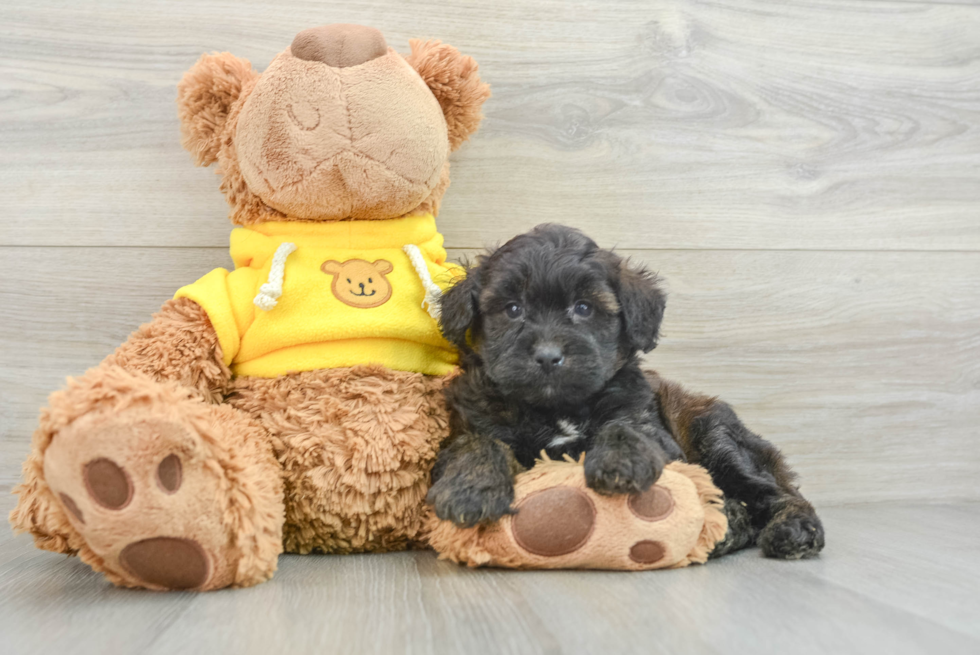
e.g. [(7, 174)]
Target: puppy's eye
[(370, 281), (513, 310), (583, 309)]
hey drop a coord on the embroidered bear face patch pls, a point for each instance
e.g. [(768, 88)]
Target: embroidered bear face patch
[(360, 283)]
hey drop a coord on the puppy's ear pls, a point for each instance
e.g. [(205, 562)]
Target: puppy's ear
[(459, 309), (453, 79), (205, 96), (642, 303)]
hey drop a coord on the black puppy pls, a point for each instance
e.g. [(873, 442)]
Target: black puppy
[(549, 327)]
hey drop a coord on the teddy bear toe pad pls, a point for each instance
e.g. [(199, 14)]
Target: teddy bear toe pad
[(107, 483), (167, 562), (72, 507), (553, 522), (169, 474), (647, 552), (654, 504), (141, 492)]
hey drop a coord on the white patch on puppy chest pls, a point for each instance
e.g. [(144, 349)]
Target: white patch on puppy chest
[(568, 433)]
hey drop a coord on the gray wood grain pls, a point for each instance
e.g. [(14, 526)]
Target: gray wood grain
[(893, 552), (862, 367), (413, 603), (673, 124)]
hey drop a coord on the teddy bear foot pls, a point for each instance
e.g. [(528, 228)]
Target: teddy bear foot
[(561, 523), (161, 504)]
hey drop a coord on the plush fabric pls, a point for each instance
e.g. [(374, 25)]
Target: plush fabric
[(561, 523), (454, 83), (206, 95), (377, 149), (230, 500), (374, 150), (340, 45), (175, 464), (178, 345), (356, 447), (324, 318)]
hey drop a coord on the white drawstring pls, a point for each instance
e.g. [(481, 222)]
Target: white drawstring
[(270, 291), (432, 291)]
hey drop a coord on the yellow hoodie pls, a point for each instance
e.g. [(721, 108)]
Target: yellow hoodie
[(307, 296)]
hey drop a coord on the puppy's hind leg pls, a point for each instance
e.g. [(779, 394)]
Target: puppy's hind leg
[(749, 470), (741, 533)]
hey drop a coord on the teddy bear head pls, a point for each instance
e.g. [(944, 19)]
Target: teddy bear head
[(339, 126)]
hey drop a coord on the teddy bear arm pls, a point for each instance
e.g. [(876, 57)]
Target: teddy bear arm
[(178, 345)]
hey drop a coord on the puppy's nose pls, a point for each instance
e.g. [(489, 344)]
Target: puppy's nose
[(548, 356), (339, 45)]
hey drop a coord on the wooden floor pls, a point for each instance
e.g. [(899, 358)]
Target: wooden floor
[(805, 175), (895, 579)]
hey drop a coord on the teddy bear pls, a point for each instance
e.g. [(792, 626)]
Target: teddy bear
[(295, 403)]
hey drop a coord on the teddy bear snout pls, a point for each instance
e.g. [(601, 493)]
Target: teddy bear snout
[(340, 45)]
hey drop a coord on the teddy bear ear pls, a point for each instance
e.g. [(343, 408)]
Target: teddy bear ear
[(205, 96), (454, 80)]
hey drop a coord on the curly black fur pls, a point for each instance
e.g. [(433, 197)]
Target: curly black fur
[(549, 327)]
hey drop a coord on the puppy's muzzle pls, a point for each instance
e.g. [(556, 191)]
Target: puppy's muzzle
[(549, 356)]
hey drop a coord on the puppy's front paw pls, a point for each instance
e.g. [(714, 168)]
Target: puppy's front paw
[(623, 463), (466, 505)]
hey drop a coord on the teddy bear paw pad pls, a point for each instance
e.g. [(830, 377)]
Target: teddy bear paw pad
[(561, 523)]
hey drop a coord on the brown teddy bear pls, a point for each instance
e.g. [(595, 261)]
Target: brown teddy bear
[(294, 403)]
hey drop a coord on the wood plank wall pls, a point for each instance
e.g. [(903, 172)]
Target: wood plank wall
[(805, 175)]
